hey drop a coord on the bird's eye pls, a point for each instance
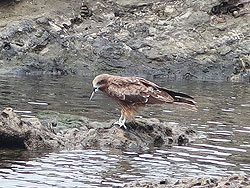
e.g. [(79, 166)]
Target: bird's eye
[(101, 82)]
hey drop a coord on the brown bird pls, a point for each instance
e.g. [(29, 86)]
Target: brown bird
[(132, 93)]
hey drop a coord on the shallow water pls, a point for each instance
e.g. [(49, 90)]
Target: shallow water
[(222, 123)]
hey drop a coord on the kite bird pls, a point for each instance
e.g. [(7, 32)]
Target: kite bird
[(132, 93)]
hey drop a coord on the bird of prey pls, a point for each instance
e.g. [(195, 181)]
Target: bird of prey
[(132, 93)]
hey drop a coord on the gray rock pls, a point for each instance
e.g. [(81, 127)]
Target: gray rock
[(233, 181), (59, 131), (170, 39), (25, 133), (16, 28)]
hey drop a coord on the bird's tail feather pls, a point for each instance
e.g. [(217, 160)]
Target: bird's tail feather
[(183, 100), (176, 94), (189, 104)]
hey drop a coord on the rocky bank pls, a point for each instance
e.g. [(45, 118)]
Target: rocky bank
[(176, 39), (63, 131), (233, 181)]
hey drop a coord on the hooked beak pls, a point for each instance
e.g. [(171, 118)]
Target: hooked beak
[(93, 93)]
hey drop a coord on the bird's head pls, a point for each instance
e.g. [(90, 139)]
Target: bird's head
[(99, 83)]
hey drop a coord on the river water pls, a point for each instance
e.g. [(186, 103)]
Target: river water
[(222, 123)]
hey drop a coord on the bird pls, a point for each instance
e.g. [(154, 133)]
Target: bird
[(133, 93)]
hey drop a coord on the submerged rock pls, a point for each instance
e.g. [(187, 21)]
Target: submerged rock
[(54, 133)]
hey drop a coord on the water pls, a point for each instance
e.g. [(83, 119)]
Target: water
[(222, 123)]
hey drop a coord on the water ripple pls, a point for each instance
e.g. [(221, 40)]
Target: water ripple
[(222, 123)]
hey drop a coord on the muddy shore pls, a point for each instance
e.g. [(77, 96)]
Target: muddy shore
[(194, 40)]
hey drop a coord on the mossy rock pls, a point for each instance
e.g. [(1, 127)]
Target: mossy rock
[(63, 121)]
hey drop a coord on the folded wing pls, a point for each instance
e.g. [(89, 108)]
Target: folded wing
[(134, 90)]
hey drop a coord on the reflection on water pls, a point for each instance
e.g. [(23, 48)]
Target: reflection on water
[(222, 121)]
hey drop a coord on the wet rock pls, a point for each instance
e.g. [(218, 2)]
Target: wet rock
[(16, 28), (175, 40), (25, 133), (243, 71), (142, 135), (57, 131), (234, 181), (227, 7)]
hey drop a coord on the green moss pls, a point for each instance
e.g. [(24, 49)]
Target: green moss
[(39, 34), (63, 121)]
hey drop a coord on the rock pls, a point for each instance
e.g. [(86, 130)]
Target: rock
[(227, 7), (25, 133), (142, 135), (16, 28), (56, 131), (198, 40), (234, 181)]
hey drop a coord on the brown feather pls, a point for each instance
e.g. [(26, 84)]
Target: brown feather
[(131, 93)]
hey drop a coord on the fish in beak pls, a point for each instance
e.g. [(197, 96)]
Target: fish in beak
[(95, 89)]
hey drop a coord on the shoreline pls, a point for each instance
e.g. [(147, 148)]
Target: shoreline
[(161, 39)]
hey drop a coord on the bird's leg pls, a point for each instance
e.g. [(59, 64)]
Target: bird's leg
[(121, 121)]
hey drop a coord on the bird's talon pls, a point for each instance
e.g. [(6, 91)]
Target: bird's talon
[(120, 124), (123, 125)]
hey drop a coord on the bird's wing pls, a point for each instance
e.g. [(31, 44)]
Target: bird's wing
[(134, 90)]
